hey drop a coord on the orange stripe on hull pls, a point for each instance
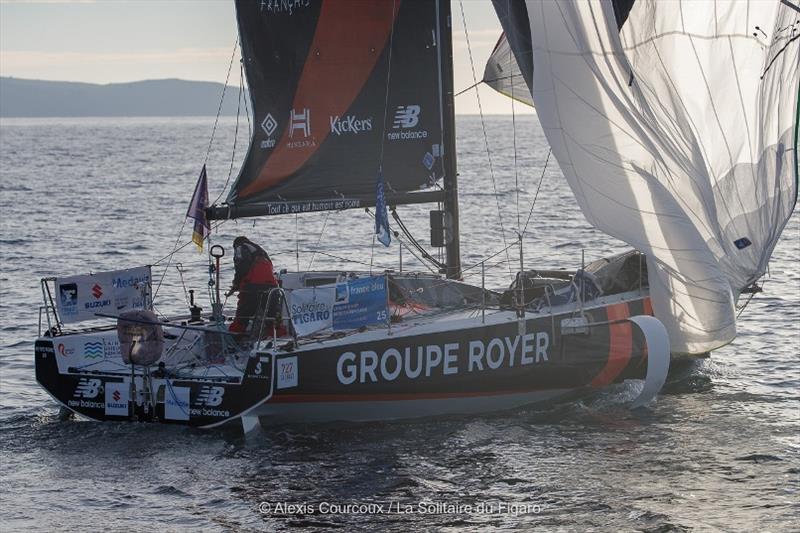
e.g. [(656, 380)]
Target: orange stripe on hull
[(648, 306), (620, 345), (315, 398)]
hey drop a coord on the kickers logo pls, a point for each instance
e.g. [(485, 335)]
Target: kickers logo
[(350, 124), (406, 117)]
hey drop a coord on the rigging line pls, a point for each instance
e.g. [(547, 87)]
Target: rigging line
[(388, 80), (438, 263), (515, 243), (246, 107), (459, 93), (297, 240), (412, 243), (484, 80), (485, 137), (184, 245), (175, 248), (344, 259), (541, 179), (319, 240), (221, 99), (514, 124), (372, 253), (235, 138)]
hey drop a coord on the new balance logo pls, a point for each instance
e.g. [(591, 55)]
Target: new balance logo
[(300, 121), (406, 116), (87, 388), (210, 396)]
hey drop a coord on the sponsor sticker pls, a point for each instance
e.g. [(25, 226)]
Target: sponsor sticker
[(287, 372), (117, 399), (210, 396), (269, 125), (300, 129), (87, 388), (406, 119), (350, 124), (176, 403), (428, 160)]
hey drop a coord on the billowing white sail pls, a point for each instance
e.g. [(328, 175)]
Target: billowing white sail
[(677, 132)]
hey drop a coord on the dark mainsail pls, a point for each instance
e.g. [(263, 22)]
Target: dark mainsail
[(340, 90)]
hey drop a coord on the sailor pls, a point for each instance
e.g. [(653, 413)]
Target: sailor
[(253, 280)]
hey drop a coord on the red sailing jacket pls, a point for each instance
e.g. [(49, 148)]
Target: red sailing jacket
[(258, 278)]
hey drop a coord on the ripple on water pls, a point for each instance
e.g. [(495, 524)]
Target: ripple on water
[(703, 456)]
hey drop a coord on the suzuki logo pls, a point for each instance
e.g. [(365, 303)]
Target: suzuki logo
[(116, 396), (269, 125), (97, 291), (406, 116), (300, 121), (87, 388), (210, 396)]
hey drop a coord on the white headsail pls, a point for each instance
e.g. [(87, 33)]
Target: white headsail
[(677, 132)]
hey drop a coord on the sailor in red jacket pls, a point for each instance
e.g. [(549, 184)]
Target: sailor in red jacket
[(253, 279)]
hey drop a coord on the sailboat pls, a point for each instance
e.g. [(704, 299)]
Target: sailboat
[(677, 135)]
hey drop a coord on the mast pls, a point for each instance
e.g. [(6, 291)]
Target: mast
[(450, 180)]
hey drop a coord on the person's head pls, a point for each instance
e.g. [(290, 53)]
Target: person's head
[(244, 247)]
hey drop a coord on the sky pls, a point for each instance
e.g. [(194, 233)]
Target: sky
[(109, 41)]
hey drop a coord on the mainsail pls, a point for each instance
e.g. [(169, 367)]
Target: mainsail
[(675, 124), (342, 90)]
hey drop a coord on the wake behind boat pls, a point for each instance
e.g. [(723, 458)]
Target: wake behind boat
[(354, 107)]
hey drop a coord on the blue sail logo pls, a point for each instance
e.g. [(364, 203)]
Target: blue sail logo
[(93, 350)]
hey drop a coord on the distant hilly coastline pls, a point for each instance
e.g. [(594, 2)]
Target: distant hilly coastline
[(171, 97)]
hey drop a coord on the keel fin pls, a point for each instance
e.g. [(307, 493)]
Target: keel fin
[(250, 423), (658, 351)]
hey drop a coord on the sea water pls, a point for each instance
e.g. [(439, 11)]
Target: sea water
[(717, 450)]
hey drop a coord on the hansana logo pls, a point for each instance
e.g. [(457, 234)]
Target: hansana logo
[(87, 388), (300, 121), (300, 129), (210, 396), (406, 116)]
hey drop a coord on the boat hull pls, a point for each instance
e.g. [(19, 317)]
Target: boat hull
[(460, 366), (460, 370)]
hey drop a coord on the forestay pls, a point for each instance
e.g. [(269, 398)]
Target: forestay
[(675, 125)]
